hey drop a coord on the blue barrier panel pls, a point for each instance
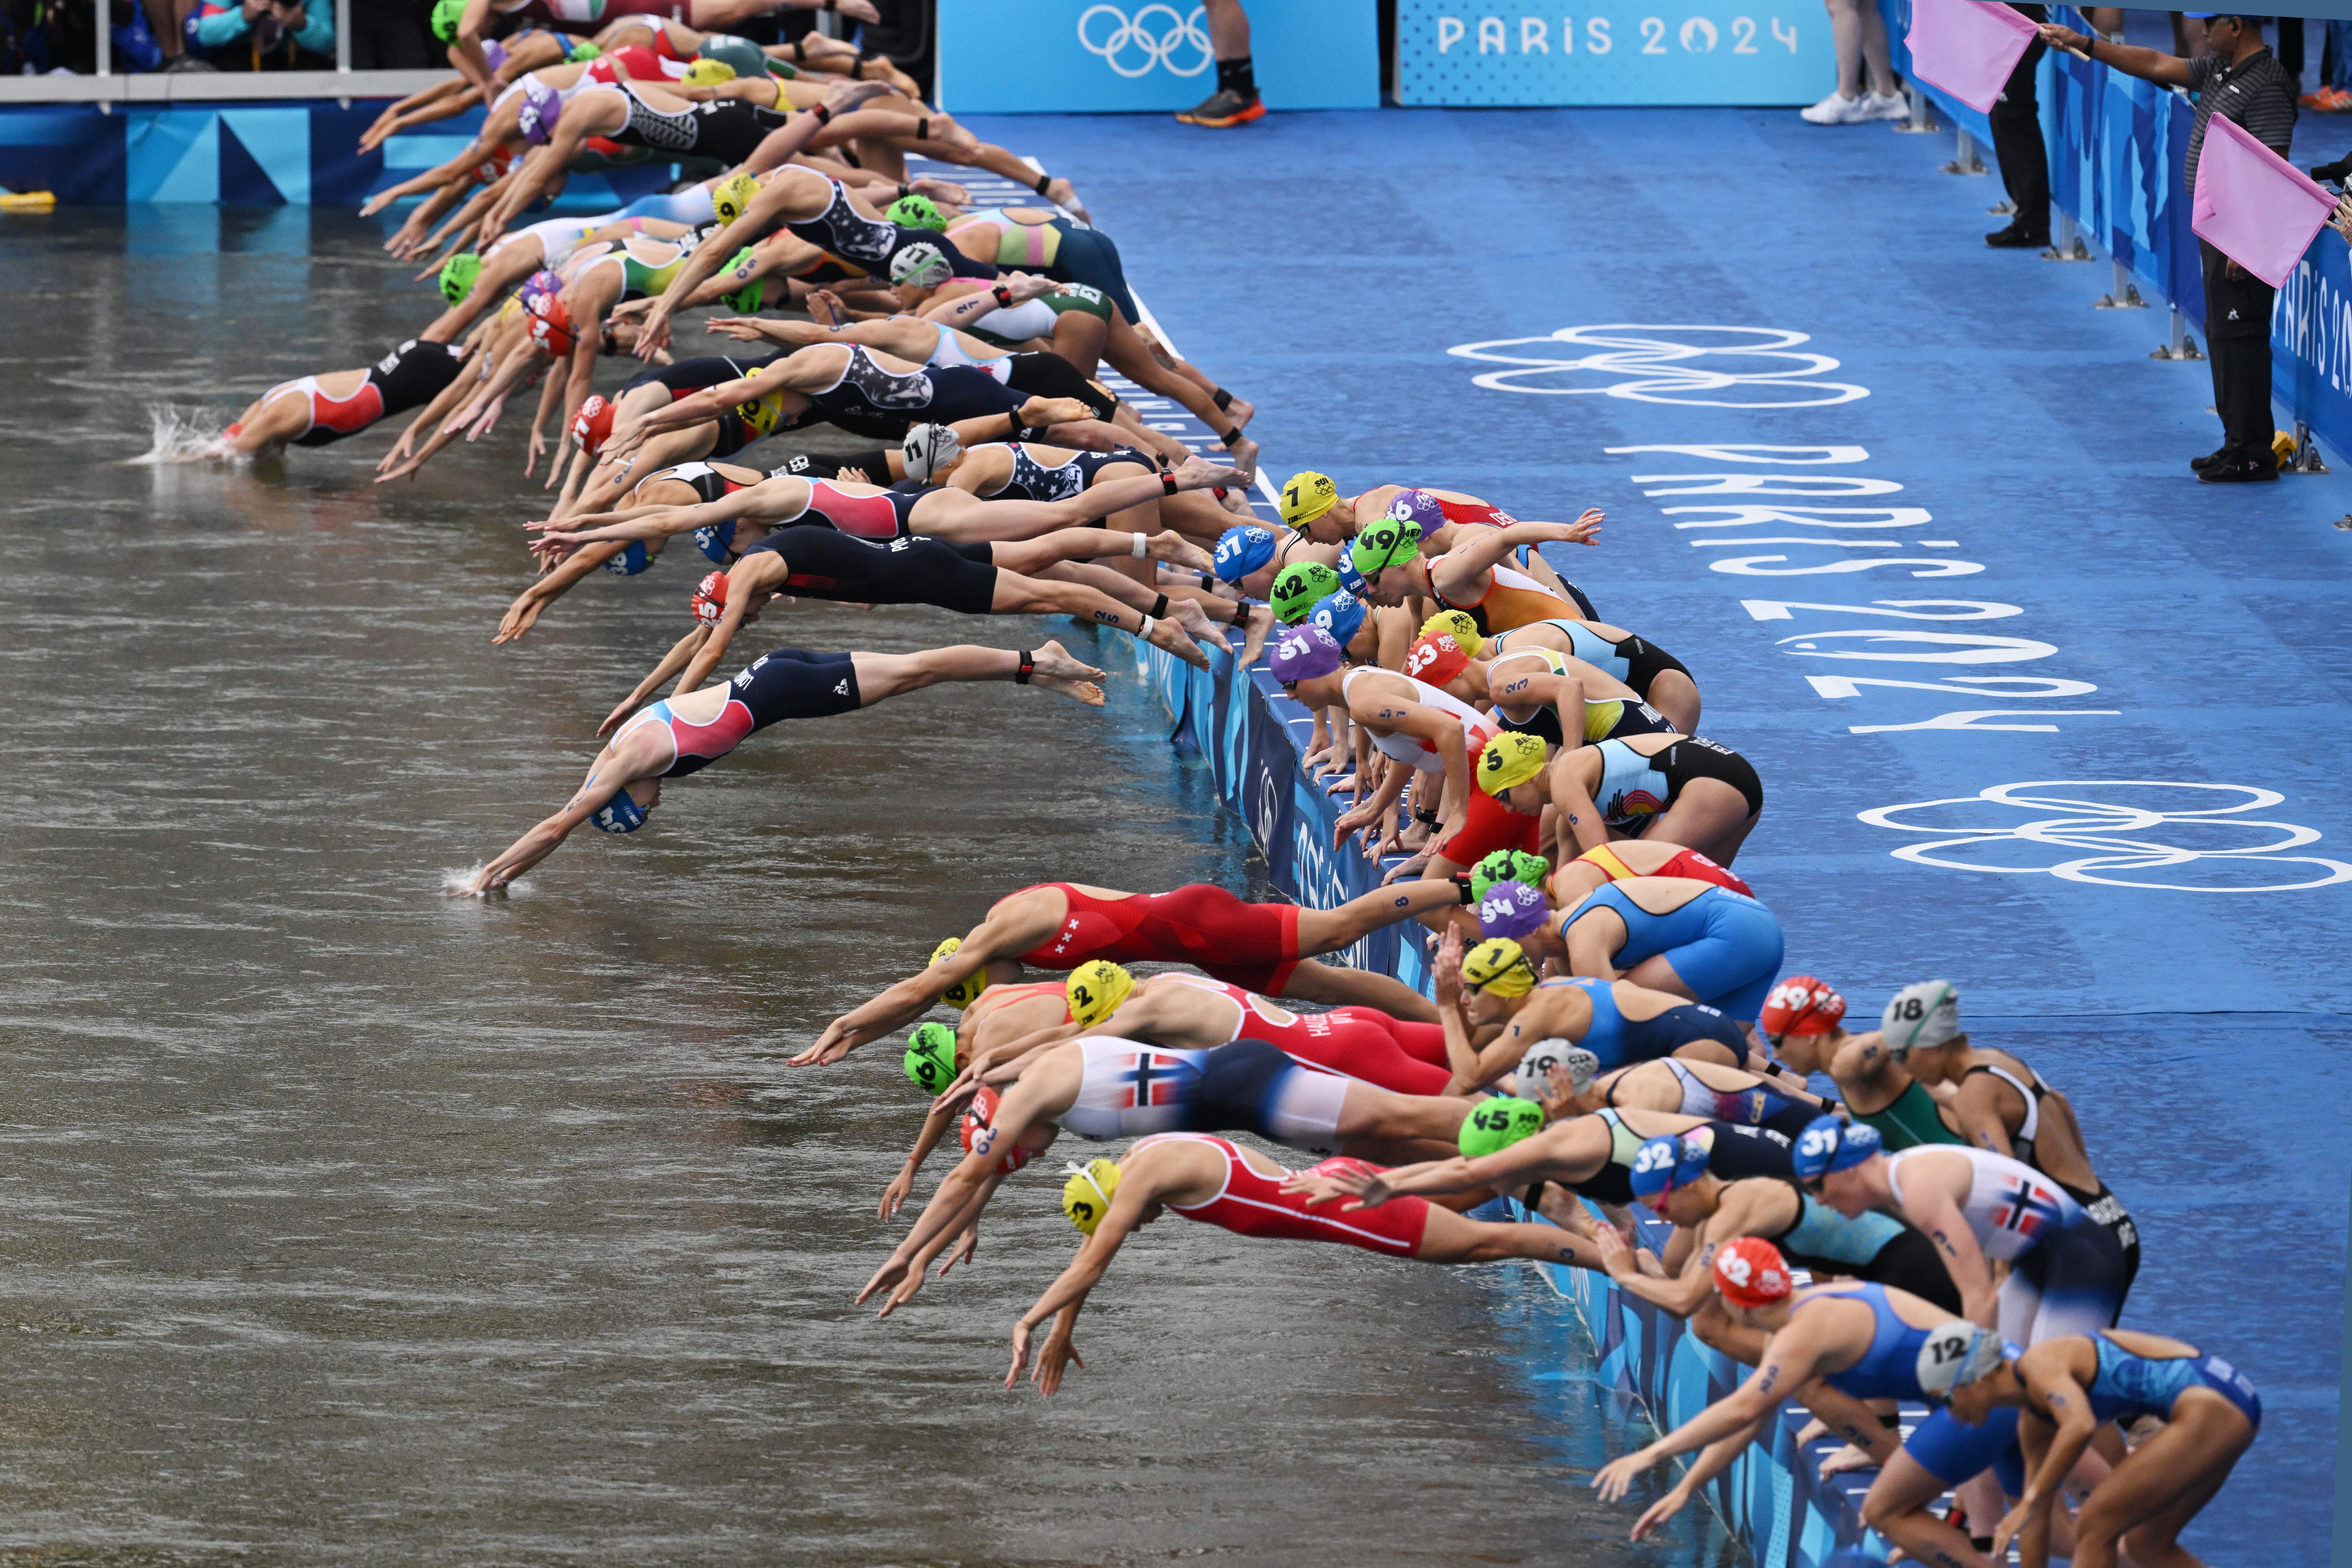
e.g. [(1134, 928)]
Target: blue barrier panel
[(69, 148), (1064, 56), (1633, 52)]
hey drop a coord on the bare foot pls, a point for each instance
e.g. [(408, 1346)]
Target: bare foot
[(1245, 451), (1063, 194), (1241, 411), (1195, 620), (1178, 551), (1813, 1431), (1847, 1458), (1237, 502), (1197, 473), (1053, 668), (1254, 631), (1168, 636)]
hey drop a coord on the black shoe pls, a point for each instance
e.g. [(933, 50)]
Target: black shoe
[(2199, 465), (2241, 470), (2016, 238), (1224, 108)]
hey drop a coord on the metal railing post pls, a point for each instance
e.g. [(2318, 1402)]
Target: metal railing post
[(102, 13), (2124, 295), (2306, 458), (1965, 161), (344, 46), (2070, 245), (2181, 345), (1922, 118)]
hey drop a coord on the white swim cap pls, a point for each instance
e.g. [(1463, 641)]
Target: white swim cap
[(1955, 1353), (1534, 1072), (1921, 1018)]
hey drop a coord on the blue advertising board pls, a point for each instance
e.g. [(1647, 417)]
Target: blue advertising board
[(1092, 56), (1466, 52)]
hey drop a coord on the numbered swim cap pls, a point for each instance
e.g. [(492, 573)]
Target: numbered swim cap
[(978, 1118), (619, 814), (1511, 909), (964, 992), (1307, 497), (551, 324), (707, 72), (1955, 1353), (593, 425), (1419, 507), (1829, 1144), (729, 197), (1086, 1197), (494, 53), (632, 558), (1436, 658), (929, 450), (1242, 550), (539, 285), (1500, 965), (1802, 1004), (1493, 1125), (1663, 1165), (1094, 990), (457, 274), (930, 1056), (710, 600), (916, 212), (447, 15), (1921, 1018), (1341, 614), (1299, 587), (716, 540), (542, 107), (1750, 1272), (1385, 544), (740, 55), (1508, 866), (1461, 626), (1534, 1071), (1302, 654), (920, 265), (1510, 759)]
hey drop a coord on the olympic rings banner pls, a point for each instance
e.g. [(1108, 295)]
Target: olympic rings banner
[(1467, 52), (1134, 57)]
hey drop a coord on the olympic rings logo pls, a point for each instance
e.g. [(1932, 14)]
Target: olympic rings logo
[(1692, 366), (2104, 831), (1127, 37)]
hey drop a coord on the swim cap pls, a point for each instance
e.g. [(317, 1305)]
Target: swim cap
[(707, 72), (619, 814), (494, 53), (1750, 1272), (1493, 1125), (1500, 965), (1829, 1144), (710, 599), (1303, 654), (915, 212), (729, 197), (1086, 1197), (1922, 1016), (1955, 1353), (1299, 587), (582, 53), (1511, 758), (1511, 909), (978, 1118), (540, 284), (1341, 615), (551, 324), (1534, 1071), (741, 57), (1242, 550), (1508, 866), (1435, 657), (542, 107), (1349, 578), (713, 539), (747, 299), (1307, 497), (1386, 544), (447, 15), (457, 274), (964, 992), (1094, 990), (1802, 1004), (593, 425), (930, 1056), (928, 449), (1663, 1165), (632, 558), (1418, 507), (1460, 626), (920, 265)]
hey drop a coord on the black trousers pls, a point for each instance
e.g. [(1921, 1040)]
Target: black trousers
[(2017, 142), (2238, 341)]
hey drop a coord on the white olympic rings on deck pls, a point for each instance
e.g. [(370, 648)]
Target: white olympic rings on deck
[(1157, 51), (1656, 365), (2102, 840)]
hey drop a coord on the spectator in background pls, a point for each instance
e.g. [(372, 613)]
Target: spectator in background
[(256, 35), (2335, 72), (393, 36), (2239, 80), (1235, 102), (2017, 148), (1860, 33)]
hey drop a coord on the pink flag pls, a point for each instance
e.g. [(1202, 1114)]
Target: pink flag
[(2253, 205), (1967, 48)]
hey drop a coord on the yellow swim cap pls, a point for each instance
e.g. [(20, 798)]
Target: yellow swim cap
[(965, 992), (1086, 1197), (1511, 758), (1307, 497), (730, 196), (1500, 965), (709, 73), (1095, 989), (1457, 624)]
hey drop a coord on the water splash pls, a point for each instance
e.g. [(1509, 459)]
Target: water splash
[(183, 436)]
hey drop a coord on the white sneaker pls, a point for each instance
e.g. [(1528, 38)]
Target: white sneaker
[(1836, 109), (1884, 106)]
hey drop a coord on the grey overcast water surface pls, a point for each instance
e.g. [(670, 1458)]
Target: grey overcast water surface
[(342, 1220)]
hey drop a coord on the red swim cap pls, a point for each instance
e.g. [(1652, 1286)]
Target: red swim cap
[(593, 425), (980, 1113), (551, 324), (1802, 1004), (1435, 658), (710, 598), (1750, 1272)]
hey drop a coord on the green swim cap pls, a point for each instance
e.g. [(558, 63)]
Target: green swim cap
[(457, 274), (582, 50), (1508, 866), (1388, 543), (916, 212), (447, 15), (1495, 1124), (1299, 588), (931, 1058), (742, 54)]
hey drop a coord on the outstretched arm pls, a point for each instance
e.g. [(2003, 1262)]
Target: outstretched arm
[(1067, 1296), (1786, 1367), (1456, 573)]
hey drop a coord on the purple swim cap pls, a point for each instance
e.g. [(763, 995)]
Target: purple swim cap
[(1418, 506), (1304, 653), (1511, 909), (542, 107), (540, 282)]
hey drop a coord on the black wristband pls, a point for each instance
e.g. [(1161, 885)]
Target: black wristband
[(1160, 607), (1042, 181), (1168, 484), (1461, 880), (823, 115), (1427, 817), (923, 130), (905, 190), (1003, 295)]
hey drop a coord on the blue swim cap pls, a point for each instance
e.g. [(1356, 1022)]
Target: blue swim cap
[(620, 814), (1664, 1162), (1243, 551), (1349, 578), (1341, 613), (1829, 1144), (1512, 910), (631, 560), (1303, 654), (713, 540)]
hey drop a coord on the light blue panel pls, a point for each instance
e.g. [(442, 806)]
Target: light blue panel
[(171, 155), (1045, 56), (1618, 51), (280, 141), (418, 152)]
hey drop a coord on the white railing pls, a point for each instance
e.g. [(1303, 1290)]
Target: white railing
[(106, 89)]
